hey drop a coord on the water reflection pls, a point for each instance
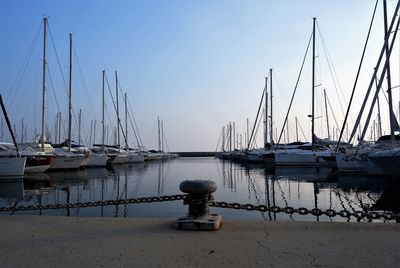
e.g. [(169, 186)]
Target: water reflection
[(309, 188), (13, 191)]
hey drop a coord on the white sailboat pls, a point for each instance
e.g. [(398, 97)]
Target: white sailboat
[(65, 158), (39, 154), (92, 159), (10, 163), (134, 155), (309, 154)]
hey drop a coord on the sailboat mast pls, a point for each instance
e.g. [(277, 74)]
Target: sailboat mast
[(79, 126), (313, 86), (56, 132), (162, 135), (94, 131), (230, 136), (223, 139), (272, 118), (248, 132), (126, 121), (327, 118), (159, 135), (297, 130), (379, 109), (102, 119), (387, 63), (118, 121), (266, 114), (233, 135), (70, 94), (59, 127), (22, 130), (44, 80)]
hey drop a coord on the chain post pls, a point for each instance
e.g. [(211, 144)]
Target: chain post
[(199, 198)]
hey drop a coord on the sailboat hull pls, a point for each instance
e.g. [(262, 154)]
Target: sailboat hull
[(69, 162), (307, 158), (136, 158), (95, 160), (348, 164), (12, 166), (37, 163), (120, 159)]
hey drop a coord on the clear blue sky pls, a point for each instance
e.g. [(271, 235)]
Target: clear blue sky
[(196, 64)]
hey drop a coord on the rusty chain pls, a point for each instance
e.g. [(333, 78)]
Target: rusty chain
[(370, 215)]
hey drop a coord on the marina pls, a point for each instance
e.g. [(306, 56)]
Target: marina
[(200, 133), (236, 183)]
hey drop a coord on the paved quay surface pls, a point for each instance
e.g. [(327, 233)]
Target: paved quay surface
[(40, 241)]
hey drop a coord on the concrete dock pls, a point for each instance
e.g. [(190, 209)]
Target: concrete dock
[(40, 241)]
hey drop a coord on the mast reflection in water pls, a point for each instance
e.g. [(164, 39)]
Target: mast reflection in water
[(257, 185)]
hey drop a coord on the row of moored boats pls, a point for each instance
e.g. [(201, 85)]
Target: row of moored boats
[(31, 158), (381, 158)]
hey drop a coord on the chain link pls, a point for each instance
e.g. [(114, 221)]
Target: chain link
[(370, 215), (96, 203)]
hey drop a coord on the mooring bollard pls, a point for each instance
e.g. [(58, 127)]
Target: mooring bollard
[(199, 197)]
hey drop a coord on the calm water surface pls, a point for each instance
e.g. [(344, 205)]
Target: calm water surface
[(235, 183)]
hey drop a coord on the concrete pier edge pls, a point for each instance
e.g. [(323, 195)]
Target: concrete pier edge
[(52, 241)]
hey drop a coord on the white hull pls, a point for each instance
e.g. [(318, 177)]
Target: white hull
[(66, 162), (136, 158), (252, 156), (301, 158), (12, 166), (121, 159), (95, 160)]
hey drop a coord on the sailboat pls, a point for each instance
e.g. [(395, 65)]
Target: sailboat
[(266, 154), (36, 161), (381, 157), (310, 154), (115, 153), (11, 162), (388, 158), (92, 159), (64, 157), (39, 154), (134, 155)]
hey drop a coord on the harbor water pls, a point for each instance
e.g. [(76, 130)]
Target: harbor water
[(295, 187)]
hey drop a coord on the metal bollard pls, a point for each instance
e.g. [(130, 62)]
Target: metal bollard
[(199, 197)]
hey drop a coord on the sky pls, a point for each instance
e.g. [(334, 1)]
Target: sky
[(197, 65)]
